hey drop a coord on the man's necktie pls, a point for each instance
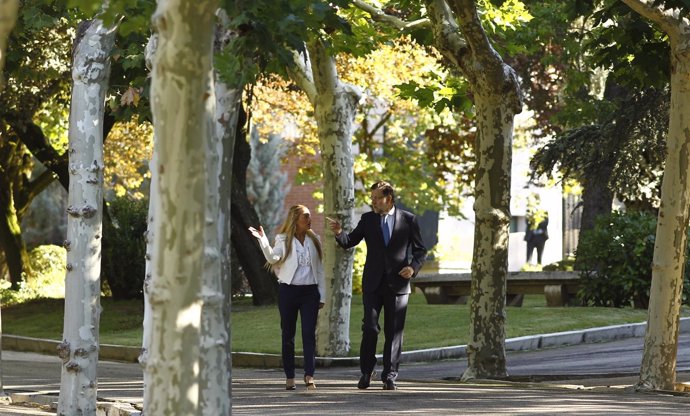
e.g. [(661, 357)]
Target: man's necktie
[(386, 231)]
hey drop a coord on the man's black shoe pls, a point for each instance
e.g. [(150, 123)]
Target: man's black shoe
[(389, 385), (365, 380)]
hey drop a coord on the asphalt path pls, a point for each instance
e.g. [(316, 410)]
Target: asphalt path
[(530, 388), (617, 358)]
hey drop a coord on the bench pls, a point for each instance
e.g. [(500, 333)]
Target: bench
[(559, 287)]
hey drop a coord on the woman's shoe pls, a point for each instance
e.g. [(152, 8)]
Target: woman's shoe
[(309, 381), (290, 384)]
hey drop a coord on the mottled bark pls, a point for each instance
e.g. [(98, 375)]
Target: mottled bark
[(262, 282), (335, 106), (147, 324), (79, 347), (658, 369), (213, 381), (182, 105), (460, 37), (228, 103)]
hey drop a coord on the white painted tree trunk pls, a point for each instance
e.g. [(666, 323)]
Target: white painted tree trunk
[(658, 369), (459, 35), (335, 105), (181, 110), (8, 17), (79, 348)]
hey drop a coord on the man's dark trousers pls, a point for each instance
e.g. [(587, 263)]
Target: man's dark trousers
[(394, 310)]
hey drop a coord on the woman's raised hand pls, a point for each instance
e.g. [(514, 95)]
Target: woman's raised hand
[(257, 233)]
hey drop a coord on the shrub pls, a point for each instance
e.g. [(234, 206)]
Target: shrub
[(49, 263), (566, 264), (124, 248), (615, 259)]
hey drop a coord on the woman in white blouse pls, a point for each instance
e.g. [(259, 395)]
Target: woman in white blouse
[(296, 261)]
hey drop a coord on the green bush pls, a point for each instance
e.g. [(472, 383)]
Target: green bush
[(124, 248), (49, 264), (615, 260), (566, 264)]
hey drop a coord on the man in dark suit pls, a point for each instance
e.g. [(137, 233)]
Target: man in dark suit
[(536, 238), (395, 253)]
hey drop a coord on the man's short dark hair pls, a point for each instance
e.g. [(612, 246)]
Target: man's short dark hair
[(386, 188)]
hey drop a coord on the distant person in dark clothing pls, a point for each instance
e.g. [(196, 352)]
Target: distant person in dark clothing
[(536, 238)]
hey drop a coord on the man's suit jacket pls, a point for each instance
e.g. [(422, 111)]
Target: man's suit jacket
[(405, 248)]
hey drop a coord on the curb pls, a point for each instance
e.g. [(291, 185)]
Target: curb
[(103, 408), (260, 360)]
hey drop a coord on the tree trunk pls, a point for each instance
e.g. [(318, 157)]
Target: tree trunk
[(213, 384), (486, 350), (459, 35), (180, 94), (658, 368), (597, 198), (79, 347), (147, 324), (11, 240), (263, 283), (335, 105), (228, 103), (8, 16), (14, 189)]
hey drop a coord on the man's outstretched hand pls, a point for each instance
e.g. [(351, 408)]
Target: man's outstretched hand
[(334, 225)]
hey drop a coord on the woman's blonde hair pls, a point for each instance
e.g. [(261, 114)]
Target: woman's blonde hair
[(289, 228)]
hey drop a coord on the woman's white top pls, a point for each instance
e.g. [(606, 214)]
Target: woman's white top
[(304, 274), (303, 266)]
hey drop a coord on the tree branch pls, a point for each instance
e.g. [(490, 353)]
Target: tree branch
[(384, 119), (301, 74), (475, 35), (33, 138), (32, 190), (323, 69), (670, 20), (447, 36), (380, 16)]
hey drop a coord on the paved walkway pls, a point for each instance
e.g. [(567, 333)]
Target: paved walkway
[(261, 392), (543, 385)]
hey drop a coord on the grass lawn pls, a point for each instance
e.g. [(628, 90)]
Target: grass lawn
[(257, 329)]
